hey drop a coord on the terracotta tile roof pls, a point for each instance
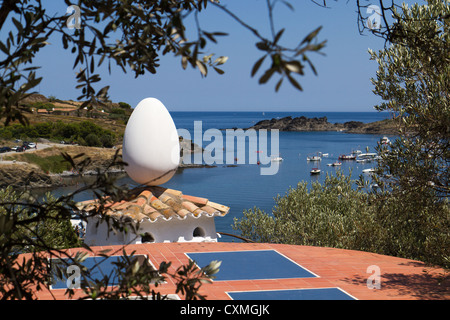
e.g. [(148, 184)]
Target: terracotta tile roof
[(153, 203), (65, 109)]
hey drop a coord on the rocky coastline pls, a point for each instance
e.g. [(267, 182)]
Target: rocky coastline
[(16, 172)]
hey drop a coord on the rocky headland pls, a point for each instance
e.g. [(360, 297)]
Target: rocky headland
[(321, 124)]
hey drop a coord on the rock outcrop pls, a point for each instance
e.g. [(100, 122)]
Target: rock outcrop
[(21, 175)]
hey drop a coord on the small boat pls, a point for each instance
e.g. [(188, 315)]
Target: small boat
[(356, 151), (325, 154), (347, 157), (314, 158), (368, 170), (276, 159), (336, 164), (315, 171), (385, 140), (366, 157)]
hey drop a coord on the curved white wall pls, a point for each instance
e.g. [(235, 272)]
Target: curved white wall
[(174, 230)]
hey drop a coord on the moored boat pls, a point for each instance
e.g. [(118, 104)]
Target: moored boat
[(366, 157), (347, 157)]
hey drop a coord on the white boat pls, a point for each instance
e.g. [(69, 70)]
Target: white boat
[(366, 157), (385, 140), (336, 164), (315, 171), (276, 158), (314, 158), (368, 170)]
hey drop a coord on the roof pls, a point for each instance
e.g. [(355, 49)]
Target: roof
[(348, 272), (154, 203), (65, 109)]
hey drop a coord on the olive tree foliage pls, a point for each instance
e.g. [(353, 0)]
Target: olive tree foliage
[(342, 213), (130, 35), (413, 79), (407, 214), (332, 214)]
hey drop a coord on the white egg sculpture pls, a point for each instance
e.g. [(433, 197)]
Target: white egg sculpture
[(150, 144)]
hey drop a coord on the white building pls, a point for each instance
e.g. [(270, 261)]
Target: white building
[(159, 214)]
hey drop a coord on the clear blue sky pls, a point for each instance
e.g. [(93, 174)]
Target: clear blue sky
[(343, 81)]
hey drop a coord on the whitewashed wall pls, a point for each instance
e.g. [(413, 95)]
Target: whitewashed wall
[(191, 229)]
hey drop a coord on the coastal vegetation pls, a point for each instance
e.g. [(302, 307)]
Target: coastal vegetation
[(85, 133), (345, 213), (53, 163)]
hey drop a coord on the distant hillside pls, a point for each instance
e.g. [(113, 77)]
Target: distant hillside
[(113, 116)]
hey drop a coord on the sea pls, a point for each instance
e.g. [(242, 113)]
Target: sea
[(242, 186)]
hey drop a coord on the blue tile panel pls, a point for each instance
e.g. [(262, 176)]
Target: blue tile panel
[(251, 265), (98, 267)]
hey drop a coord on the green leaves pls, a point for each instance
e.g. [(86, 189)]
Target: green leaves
[(311, 36), (285, 61)]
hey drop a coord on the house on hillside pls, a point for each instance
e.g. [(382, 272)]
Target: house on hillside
[(42, 111), (65, 111)]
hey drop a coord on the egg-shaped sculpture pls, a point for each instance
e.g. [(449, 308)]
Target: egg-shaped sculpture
[(151, 147)]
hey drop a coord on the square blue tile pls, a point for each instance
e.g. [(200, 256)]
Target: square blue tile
[(251, 265)]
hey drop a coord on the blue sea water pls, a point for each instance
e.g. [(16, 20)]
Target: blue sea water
[(242, 187)]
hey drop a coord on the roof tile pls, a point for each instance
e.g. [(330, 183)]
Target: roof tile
[(152, 203), (196, 200)]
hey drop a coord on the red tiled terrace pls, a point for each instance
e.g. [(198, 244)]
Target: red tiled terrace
[(401, 279)]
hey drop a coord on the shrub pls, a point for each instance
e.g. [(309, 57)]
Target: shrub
[(124, 105), (92, 140), (337, 214), (51, 164)]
